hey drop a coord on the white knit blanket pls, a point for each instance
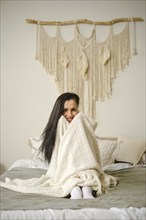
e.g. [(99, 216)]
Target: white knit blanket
[(75, 161)]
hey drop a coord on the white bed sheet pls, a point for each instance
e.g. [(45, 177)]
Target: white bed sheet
[(28, 164), (31, 164), (130, 213)]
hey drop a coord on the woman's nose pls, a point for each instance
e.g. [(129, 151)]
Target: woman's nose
[(69, 113)]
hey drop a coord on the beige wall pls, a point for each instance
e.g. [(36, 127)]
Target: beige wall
[(28, 93)]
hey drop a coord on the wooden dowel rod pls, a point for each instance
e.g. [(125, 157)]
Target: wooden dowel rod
[(84, 21)]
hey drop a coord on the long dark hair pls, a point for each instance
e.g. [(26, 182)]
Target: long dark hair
[(49, 133)]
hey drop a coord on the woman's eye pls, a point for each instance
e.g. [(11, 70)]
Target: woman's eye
[(65, 110), (75, 110)]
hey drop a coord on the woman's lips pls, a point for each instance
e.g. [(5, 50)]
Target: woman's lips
[(69, 119)]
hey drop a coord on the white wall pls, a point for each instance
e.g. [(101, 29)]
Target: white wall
[(28, 93)]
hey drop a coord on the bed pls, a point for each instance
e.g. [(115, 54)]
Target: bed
[(125, 201)]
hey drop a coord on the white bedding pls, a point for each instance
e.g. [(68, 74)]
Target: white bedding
[(28, 164), (130, 213), (75, 161), (31, 164)]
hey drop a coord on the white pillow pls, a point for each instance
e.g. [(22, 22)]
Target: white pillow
[(130, 150), (107, 149), (37, 154)]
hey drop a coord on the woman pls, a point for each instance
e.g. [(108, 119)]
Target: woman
[(67, 105), (70, 147)]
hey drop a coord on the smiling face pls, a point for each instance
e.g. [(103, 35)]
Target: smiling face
[(70, 109)]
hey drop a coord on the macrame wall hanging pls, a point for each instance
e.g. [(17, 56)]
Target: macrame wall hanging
[(84, 65)]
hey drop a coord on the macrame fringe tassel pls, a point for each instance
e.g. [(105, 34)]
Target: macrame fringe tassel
[(76, 68)]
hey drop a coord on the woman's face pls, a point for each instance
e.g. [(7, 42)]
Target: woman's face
[(70, 109)]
